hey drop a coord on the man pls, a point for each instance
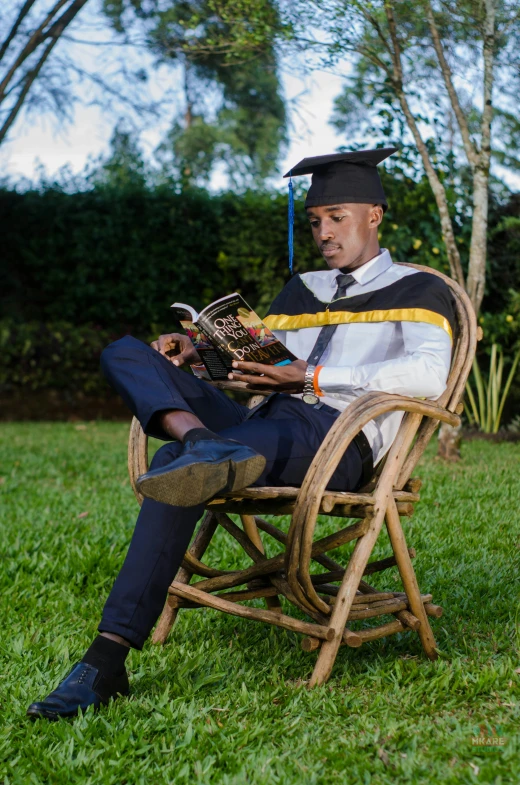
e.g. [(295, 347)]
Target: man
[(363, 324)]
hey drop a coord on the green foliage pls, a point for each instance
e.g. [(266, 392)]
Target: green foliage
[(60, 356), (487, 405), (411, 229), (231, 29), (359, 32), (124, 168), (504, 252), (222, 703), (234, 113), (119, 258), (489, 391), (503, 328)]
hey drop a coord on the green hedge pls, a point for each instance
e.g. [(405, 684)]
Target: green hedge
[(37, 356), (118, 258), (80, 269)]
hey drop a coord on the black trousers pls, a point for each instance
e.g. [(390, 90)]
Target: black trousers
[(286, 431)]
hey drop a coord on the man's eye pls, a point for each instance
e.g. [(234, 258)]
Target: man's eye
[(314, 223), (338, 218)]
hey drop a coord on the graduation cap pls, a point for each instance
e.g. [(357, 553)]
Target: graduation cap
[(341, 178)]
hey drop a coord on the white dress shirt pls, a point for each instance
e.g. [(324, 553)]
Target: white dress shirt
[(408, 358)]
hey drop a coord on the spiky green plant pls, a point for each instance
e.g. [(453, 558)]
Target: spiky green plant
[(486, 408)]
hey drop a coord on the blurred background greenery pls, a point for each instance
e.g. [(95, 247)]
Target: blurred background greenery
[(89, 257)]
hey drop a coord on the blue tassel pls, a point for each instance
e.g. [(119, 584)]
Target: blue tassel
[(290, 219)]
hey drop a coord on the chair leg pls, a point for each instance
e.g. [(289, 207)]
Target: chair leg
[(200, 542), (409, 579), (251, 529), (346, 594), (168, 617)]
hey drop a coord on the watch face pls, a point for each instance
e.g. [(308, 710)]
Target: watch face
[(310, 398)]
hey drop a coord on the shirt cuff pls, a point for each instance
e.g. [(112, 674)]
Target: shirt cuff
[(335, 379)]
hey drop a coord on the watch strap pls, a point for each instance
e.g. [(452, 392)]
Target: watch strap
[(315, 381)]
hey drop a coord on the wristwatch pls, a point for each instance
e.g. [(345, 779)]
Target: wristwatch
[(309, 396)]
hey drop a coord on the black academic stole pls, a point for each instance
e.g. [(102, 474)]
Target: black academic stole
[(420, 297)]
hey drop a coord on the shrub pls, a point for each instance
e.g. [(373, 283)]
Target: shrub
[(80, 269), (61, 356)]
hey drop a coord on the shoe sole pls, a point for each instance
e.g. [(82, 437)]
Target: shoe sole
[(191, 485), (53, 716), (50, 715)]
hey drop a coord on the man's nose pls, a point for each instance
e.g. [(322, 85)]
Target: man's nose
[(326, 232)]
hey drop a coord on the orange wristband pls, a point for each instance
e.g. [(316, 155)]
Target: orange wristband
[(315, 381)]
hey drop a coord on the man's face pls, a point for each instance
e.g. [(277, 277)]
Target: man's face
[(346, 234)]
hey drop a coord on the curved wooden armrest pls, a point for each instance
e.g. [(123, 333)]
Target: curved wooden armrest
[(367, 407), (356, 416), (389, 402)]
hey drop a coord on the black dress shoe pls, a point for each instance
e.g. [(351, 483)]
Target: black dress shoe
[(84, 686), (203, 469)]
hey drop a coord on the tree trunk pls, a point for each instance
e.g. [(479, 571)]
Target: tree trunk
[(477, 255), (436, 185), (449, 443)]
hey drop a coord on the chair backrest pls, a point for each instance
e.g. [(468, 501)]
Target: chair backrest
[(464, 346)]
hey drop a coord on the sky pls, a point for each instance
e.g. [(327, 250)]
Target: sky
[(39, 140)]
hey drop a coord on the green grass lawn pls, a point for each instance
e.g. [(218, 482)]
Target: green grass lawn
[(222, 702)]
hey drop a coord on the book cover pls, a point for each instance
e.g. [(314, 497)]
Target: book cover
[(235, 328), (227, 330)]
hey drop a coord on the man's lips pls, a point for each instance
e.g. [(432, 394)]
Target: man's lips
[(329, 250)]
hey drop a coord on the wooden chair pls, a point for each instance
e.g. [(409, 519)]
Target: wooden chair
[(338, 595)]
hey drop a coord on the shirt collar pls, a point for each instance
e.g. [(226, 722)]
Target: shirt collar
[(370, 270)]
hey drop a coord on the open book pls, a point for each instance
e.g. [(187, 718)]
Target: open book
[(229, 330)]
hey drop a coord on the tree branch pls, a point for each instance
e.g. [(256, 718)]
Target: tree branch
[(139, 108), (377, 27), (469, 146), (54, 33), (29, 81), (32, 44), (489, 58), (24, 10), (65, 19), (375, 59)]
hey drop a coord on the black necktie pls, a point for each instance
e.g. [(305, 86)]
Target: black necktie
[(344, 280)]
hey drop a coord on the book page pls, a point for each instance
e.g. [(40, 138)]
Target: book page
[(212, 359)]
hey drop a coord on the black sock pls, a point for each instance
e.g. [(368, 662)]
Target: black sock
[(199, 434), (107, 656)]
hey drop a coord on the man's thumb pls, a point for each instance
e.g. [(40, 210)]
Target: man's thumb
[(182, 357)]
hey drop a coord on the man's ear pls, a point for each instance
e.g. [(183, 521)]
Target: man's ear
[(375, 216)]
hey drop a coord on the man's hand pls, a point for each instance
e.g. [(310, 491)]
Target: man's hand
[(281, 378), (177, 348)]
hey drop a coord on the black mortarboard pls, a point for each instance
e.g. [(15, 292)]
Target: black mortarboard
[(344, 177), (339, 179)]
